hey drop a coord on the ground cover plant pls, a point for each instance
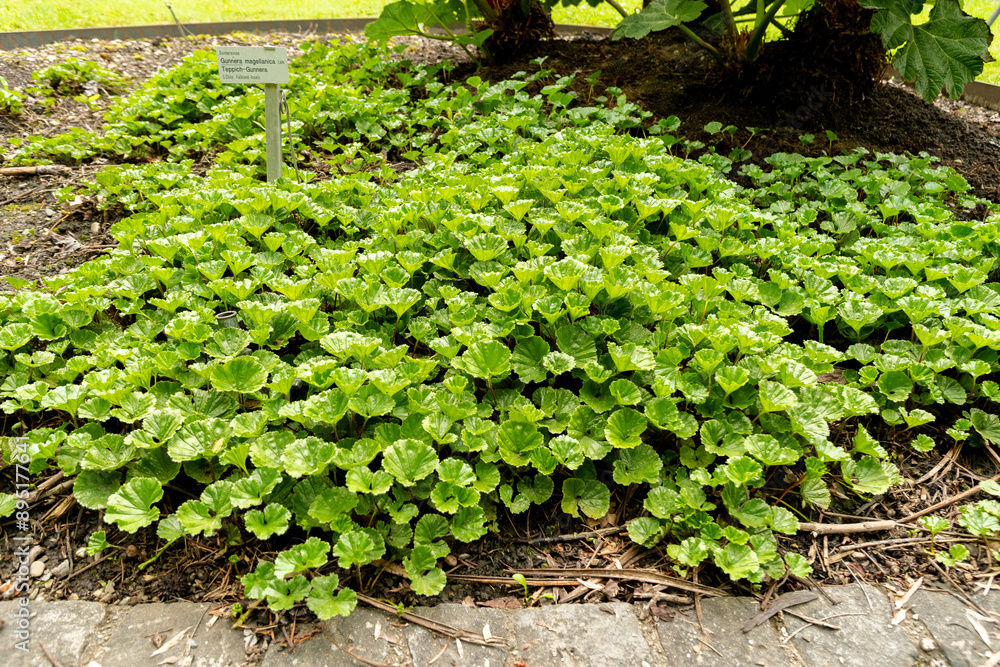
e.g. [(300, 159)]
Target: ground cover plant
[(555, 308)]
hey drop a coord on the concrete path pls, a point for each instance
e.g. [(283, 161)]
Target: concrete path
[(930, 628)]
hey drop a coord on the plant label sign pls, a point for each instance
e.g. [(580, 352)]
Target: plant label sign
[(252, 64)]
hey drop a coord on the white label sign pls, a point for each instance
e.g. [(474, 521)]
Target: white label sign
[(252, 64)]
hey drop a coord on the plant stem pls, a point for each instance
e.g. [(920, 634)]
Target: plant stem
[(727, 12), (618, 8), (786, 33), (753, 47), (700, 42), (490, 385)]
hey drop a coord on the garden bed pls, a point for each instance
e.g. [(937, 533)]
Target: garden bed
[(44, 237)]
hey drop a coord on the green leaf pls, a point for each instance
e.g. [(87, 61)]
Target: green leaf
[(922, 443), (631, 357), (370, 402), (363, 480), (196, 517), (326, 601), (896, 385), (986, 424), (332, 504), (588, 496), (742, 470), (658, 15), (978, 521), (251, 490), (637, 465), (558, 363), (407, 18), (308, 456), (737, 560), (934, 524), (244, 375), (537, 489), (663, 503), (944, 52), (170, 529), (486, 359), (425, 577), (798, 565), (646, 531), (131, 506), (625, 392), (92, 488), (625, 428), (577, 343), (527, 359), (98, 542), (356, 548), (282, 594), (310, 554), (990, 487), (273, 520), (199, 439), (866, 475), (429, 528), (776, 397), (516, 439), (815, 492), (753, 513), (8, 504), (468, 524), (690, 552), (256, 582), (782, 521), (409, 461)]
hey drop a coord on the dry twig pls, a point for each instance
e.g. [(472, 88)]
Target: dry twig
[(575, 536), (846, 528), (55, 663), (440, 628), (628, 575)]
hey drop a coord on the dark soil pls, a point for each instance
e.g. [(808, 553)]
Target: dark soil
[(664, 74)]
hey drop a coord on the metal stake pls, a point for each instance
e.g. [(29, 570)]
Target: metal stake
[(272, 127)]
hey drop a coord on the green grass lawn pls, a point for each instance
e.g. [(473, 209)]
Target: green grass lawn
[(52, 14)]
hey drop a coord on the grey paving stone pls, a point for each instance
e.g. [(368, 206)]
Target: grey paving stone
[(944, 617), (863, 640), (63, 627), (425, 646), (130, 645), (724, 619), (990, 602), (355, 633), (581, 636)]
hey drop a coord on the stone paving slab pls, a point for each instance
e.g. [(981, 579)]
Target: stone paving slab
[(131, 646), (581, 636), (426, 647), (63, 627), (95, 635), (944, 616), (866, 636), (356, 633), (724, 618)]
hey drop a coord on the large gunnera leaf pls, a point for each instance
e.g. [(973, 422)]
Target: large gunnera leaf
[(658, 15), (945, 52)]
